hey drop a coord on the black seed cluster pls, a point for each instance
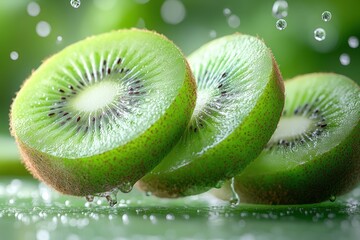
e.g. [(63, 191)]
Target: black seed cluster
[(307, 110), (59, 109)]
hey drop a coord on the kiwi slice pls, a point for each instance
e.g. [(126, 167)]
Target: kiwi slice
[(240, 100), (104, 111), (314, 154)]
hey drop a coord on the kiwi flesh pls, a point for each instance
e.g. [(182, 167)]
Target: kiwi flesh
[(314, 155), (103, 112), (240, 98)]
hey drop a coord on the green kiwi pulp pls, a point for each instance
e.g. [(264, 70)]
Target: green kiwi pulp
[(239, 102), (314, 155), (101, 113)]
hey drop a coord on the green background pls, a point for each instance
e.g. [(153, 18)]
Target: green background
[(295, 50)]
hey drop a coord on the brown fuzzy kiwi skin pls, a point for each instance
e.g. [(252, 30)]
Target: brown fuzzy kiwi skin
[(122, 165), (237, 157)]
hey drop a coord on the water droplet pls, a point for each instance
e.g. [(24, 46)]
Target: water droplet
[(212, 34), (33, 9), (234, 200), (89, 198), (42, 235), (353, 42), (125, 219), (111, 198), (280, 9), (170, 217), (125, 187), (319, 34), (332, 198), (326, 16), (344, 59), (148, 193), (43, 29), (75, 3), (227, 12), (281, 24), (59, 39), (234, 21), (67, 203), (141, 23), (173, 11), (14, 55)]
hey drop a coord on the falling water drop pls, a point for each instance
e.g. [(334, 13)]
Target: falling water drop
[(43, 29), (233, 21), (75, 3), (227, 12), (125, 187), (33, 9), (344, 59), (59, 39), (353, 42), (234, 200), (280, 9), (326, 16), (319, 34), (281, 24), (14, 55), (173, 11), (212, 34)]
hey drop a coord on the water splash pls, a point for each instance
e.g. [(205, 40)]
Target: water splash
[(75, 3), (125, 187), (281, 24), (280, 9), (326, 16), (235, 199), (319, 34)]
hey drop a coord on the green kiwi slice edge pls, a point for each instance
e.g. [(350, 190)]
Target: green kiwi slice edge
[(239, 102), (314, 155), (103, 112)]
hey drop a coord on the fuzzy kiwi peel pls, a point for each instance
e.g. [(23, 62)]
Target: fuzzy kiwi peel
[(321, 163), (103, 112), (240, 100)]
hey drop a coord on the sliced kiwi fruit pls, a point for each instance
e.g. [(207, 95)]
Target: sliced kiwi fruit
[(240, 98), (314, 154), (103, 112)]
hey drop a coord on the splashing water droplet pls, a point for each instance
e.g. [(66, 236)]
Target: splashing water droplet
[(125, 187), (59, 39), (280, 9), (326, 16), (43, 29), (33, 9), (89, 198), (14, 55), (234, 200), (234, 21), (173, 11), (212, 34), (344, 59), (353, 42), (75, 3), (281, 24), (332, 198), (319, 34), (227, 12)]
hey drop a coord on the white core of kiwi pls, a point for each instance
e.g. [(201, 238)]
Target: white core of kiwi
[(291, 127), (96, 97)]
